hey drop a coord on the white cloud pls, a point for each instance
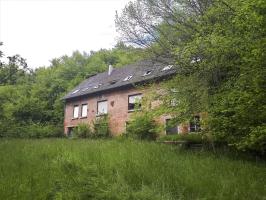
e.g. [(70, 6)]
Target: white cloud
[(40, 30)]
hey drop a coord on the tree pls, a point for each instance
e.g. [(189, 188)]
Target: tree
[(31, 102), (14, 71), (219, 46)]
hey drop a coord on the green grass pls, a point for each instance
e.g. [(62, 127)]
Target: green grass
[(112, 169)]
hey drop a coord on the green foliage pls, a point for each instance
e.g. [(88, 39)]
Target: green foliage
[(142, 126), (255, 140), (101, 126), (100, 129), (219, 48), (30, 101), (30, 130), (83, 131), (129, 170), (191, 138)]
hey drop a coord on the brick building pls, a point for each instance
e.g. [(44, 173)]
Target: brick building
[(115, 93)]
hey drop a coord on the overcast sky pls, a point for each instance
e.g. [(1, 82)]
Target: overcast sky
[(40, 30)]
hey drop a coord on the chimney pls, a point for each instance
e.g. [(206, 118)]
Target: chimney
[(110, 70)]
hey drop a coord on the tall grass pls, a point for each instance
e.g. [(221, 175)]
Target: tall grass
[(111, 169)]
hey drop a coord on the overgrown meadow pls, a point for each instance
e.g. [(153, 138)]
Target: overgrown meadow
[(123, 169)]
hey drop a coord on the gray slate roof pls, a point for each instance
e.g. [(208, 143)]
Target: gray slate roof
[(104, 82)]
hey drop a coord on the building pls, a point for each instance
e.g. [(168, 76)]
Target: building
[(114, 92)]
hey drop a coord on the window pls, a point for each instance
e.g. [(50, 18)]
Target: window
[(194, 125), (70, 131), (170, 127), (167, 68), (75, 91), (84, 89), (128, 78), (84, 110), (76, 112), (97, 86), (102, 107), (113, 82), (134, 101), (147, 73)]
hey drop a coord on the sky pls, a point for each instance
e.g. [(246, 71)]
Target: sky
[(40, 30)]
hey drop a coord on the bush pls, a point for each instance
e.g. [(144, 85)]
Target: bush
[(31, 130), (142, 126), (191, 138), (101, 127), (83, 131), (42, 131), (255, 141)]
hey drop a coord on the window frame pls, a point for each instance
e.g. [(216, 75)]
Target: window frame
[(147, 73), (82, 105), (98, 114), (131, 110), (73, 115), (168, 129), (195, 123)]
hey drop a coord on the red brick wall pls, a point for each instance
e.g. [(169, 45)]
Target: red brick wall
[(118, 114), (117, 109)]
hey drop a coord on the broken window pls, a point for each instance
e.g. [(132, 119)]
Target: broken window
[(134, 101), (194, 125), (102, 107), (170, 127), (113, 82), (76, 111)]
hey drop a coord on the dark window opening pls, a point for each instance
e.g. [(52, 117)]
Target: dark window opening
[(113, 82), (147, 73), (70, 131), (170, 127)]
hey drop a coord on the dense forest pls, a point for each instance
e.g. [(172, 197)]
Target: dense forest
[(218, 47)]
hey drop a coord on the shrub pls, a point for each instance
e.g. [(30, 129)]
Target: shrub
[(32, 130), (191, 138), (101, 126), (83, 131), (142, 126), (255, 141), (37, 130)]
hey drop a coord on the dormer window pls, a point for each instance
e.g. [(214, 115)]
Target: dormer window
[(167, 68), (97, 86), (75, 91), (128, 78), (147, 73), (113, 82), (84, 89)]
